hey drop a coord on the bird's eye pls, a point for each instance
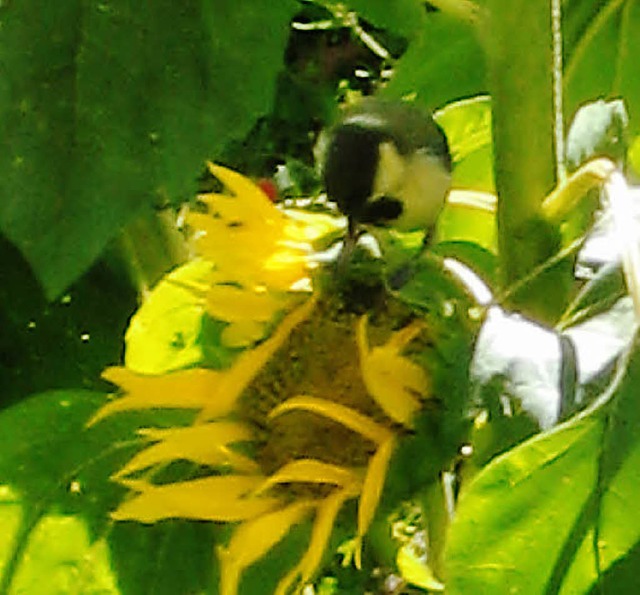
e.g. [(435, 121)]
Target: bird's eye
[(381, 210)]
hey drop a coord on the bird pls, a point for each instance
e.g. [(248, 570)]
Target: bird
[(387, 164)]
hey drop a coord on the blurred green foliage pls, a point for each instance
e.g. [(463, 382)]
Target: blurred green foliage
[(108, 111)]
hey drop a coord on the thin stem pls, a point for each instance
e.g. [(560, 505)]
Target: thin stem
[(558, 108)]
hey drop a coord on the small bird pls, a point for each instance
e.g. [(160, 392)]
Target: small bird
[(387, 163)]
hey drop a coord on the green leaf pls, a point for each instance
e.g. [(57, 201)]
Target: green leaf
[(556, 514), (467, 124), (480, 259), (597, 296), (60, 556), (264, 575), (86, 327), (108, 108), (444, 46), (633, 155), (469, 214), (403, 17), (56, 497), (425, 283), (601, 44), (171, 330), (166, 558), (469, 217)]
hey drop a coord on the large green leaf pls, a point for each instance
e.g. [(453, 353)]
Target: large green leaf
[(106, 108), (443, 63), (55, 498), (556, 514), (65, 343), (601, 47), (403, 17)]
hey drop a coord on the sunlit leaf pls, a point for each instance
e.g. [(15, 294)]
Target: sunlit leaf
[(415, 571), (166, 332), (556, 513), (56, 496), (469, 216), (61, 556), (527, 357), (634, 155), (467, 124)]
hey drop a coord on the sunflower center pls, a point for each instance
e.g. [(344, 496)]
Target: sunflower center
[(320, 359)]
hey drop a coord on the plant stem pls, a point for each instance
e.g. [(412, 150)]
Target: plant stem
[(518, 41)]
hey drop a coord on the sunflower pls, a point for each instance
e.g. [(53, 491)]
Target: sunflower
[(306, 417)]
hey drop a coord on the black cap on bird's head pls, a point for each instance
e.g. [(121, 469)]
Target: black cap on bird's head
[(387, 164)]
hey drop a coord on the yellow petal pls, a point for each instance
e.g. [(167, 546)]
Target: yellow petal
[(245, 189), (242, 210), (250, 362), (284, 278), (219, 498), (235, 248), (204, 444), (186, 389), (233, 304), (311, 471), (305, 226), (243, 334), (251, 239), (395, 382), (283, 268), (249, 255), (243, 264), (346, 416), (232, 247), (253, 539), (371, 491), (328, 509), (400, 339)]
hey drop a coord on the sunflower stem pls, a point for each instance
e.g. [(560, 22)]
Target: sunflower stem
[(437, 526)]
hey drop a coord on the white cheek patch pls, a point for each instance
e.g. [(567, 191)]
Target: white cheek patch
[(419, 181), (424, 187), (390, 171)]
